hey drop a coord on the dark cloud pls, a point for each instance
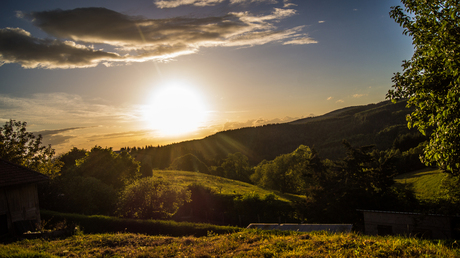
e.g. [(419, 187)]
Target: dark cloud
[(134, 39), (18, 46), (47, 133), (56, 137)]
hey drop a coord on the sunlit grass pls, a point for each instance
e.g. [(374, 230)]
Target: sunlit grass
[(247, 243), (426, 183), (219, 184)]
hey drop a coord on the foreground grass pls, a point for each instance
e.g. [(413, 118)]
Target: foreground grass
[(248, 243), (219, 184), (426, 183)]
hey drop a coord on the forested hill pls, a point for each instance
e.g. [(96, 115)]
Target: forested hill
[(374, 124)]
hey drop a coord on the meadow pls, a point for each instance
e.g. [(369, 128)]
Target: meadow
[(426, 183), (246, 243), (220, 185)]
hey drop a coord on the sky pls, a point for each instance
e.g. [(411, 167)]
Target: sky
[(117, 73)]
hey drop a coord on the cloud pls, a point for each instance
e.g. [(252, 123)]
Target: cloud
[(62, 108), (135, 39), (359, 95), (321, 21), (330, 98), (57, 137), (288, 4), (258, 122), (252, 1), (119, 135), (176, 3), (202, 3), (300, 41), (340, 101), (18, 46)]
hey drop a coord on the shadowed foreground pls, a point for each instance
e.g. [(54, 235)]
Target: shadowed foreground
[(248, 243)]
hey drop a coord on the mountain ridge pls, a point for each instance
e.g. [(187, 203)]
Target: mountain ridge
[(376, 124)]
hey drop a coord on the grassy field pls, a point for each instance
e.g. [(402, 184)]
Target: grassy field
[(426, 183), (247, 243), (219, 184)]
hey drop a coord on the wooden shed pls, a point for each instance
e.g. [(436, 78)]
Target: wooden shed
[(411, 224), (19, 210)]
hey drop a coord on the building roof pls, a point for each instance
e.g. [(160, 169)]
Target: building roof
[(406, 213), (345, 228), (12, 174)]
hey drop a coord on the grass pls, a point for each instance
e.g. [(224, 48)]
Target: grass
[(219, 184), (106, 224), (426, 183), (247, 243)]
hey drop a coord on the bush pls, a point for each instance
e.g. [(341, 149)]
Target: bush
[(151, 198), (85, 195)]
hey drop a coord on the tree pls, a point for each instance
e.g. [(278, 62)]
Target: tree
[(362, 180), (70, 158), (151, 198), (24, 148), (116, 170), (288, 172), (236, 166), (430, 79), (189, 162)]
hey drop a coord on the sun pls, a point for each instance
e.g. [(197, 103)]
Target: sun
[(175, 109)]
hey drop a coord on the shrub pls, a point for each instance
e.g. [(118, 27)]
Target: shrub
[(151, 198)]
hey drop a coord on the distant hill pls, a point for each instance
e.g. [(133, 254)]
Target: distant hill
[(374, 124)]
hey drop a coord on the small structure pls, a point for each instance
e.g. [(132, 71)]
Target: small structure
[(19, 210), (334, 228), (411, 224)]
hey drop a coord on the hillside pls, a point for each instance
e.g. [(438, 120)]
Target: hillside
[(220, 185), (425, 183), (374, 124)]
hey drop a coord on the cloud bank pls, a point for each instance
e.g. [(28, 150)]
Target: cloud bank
[(201, 3), (136, 39)]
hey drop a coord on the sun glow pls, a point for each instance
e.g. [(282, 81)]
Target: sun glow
[(175, 110)]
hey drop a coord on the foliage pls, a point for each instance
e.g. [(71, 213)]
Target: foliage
[(70, 159), (286, 173), (363, 180), (236, 166), (206, 206), (430, 79), (189, 162), (146, 169), (255, 208), (115, 170), (150, 198), (246, 243), (24, 148), (77, 194)]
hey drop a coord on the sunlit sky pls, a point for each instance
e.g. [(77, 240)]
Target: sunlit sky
[(121, 73)]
